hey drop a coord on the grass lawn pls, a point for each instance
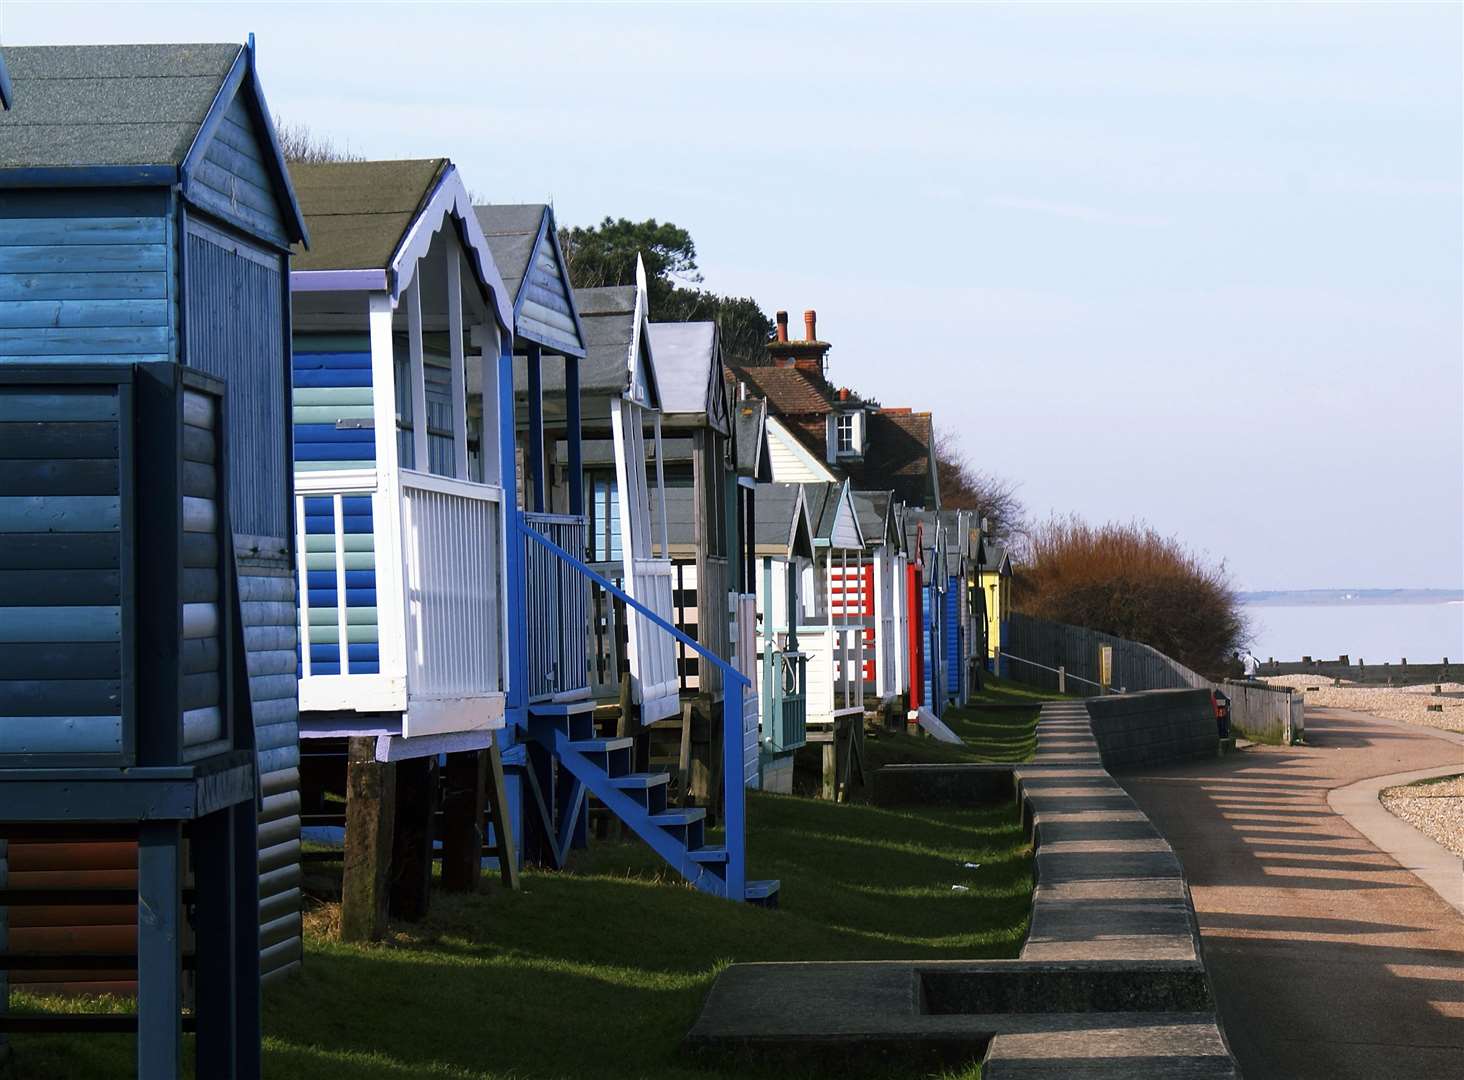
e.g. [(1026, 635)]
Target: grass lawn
[(599, 971)]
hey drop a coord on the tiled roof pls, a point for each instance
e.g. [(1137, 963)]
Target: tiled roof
[(789, 391)]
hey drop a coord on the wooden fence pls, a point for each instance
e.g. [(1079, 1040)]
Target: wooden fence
[(1057, 656)]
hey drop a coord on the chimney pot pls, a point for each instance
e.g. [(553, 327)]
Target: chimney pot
[(810, 325), (843, 393), (782, 326)]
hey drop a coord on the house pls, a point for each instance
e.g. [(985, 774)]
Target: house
[(818, 433), (147, 221), (401, 484)]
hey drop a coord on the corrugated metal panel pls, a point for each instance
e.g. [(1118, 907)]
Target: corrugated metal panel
[(236, 331)]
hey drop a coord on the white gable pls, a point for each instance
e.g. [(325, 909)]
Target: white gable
[(792, 464)]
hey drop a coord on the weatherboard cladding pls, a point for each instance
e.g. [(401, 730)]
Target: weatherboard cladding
[(84, 276), (62, 633), (520, 236), (232, 180)]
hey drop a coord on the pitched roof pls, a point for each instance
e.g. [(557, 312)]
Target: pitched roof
[(780, 521), (99, 105), (749, 420), (873, 508), (898, 455), (359, 211), (511, 230), (608, 316), (789, 391), (689, 370)]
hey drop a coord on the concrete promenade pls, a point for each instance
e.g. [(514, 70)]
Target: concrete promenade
[(1328, 959)]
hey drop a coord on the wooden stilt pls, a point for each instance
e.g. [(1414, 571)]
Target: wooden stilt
[(496, 796), (159, 950), (830, 766), (411, 846), (370, 810), (464, 789), (683, 757)]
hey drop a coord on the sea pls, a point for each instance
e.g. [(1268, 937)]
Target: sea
[(1420, 633)]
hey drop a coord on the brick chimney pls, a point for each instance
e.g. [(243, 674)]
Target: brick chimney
[(810, 354)]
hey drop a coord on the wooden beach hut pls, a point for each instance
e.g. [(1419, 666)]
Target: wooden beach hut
[(399, 315), (782, 544), (879, 592), (924, 538), (995, 581), (146, 217), (957, 529)]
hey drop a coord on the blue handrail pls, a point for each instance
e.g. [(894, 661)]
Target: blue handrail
[(733, 786), (610, 587)]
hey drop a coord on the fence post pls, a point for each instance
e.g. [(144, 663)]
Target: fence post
[(734, 789), (1061, 679)]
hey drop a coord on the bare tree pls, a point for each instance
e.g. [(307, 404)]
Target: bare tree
[(299, 143), (965, 487)]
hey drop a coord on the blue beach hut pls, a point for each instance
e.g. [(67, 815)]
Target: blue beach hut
[(147, 217)]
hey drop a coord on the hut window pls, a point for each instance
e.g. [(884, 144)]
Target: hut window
[(406, 449), (604, 515), (437, 375)]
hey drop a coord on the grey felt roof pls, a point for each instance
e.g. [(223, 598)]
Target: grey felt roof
[(511, 229), (774, 520), (957, 532), (358, 211), (686, 358), (873, 508), (608, 317), (749, 420), (108, 104), (996, 555), (823, 507)]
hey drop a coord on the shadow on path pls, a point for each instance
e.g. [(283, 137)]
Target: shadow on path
[(1329, 960)]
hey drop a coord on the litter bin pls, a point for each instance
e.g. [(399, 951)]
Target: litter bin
[(1222, 712)]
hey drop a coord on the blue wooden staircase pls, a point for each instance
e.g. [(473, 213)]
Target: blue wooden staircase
[(561, 761)]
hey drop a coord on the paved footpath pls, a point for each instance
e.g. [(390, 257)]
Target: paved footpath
[(1328, 959)]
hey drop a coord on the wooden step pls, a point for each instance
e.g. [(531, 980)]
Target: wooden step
[(561, 708), (672, 819), (640, 780), (90, 1023), (600, 746), (763, 893), (709, 855)]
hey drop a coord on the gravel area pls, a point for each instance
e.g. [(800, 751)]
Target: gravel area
[(1406, 703), (1433, 807)]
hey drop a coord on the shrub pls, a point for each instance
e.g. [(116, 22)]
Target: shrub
[(1128, 580)]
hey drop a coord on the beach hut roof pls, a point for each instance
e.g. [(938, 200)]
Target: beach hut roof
[(141, 116), (781, 526), (371, 221), (688, 359), (525, 245)]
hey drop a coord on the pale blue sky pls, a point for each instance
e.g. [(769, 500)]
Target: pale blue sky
[(1195, 264)]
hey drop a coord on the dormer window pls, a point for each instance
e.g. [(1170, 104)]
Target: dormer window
[(845, 435)]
